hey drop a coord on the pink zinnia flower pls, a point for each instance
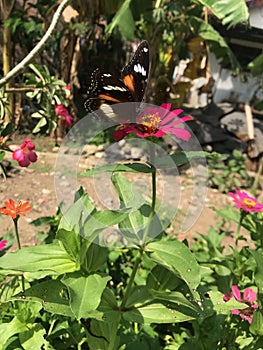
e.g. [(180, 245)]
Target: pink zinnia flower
[(249, 297), (62, 111), (3, 244), (245, 202), (155, 122), (25, 154)]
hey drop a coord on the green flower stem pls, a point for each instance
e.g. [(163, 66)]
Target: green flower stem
[(242, 215), (113, 336), (152, 161), (19, 247), (146, 231), (131, 280), (138, 259)]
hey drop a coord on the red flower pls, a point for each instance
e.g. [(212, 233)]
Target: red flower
[(155, 122), (62, 112), (245, 202), (25, 154), (15, 210), (67, 120), (249, 298), (3, 243)]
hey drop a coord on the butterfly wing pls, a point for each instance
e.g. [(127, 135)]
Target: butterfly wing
[(135, 73), (105, 89)]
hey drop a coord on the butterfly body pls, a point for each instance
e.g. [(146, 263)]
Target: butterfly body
[(105, 89)]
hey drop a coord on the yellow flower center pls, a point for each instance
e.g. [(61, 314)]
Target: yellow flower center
[(151, 121), (249, 203), (25, 150)]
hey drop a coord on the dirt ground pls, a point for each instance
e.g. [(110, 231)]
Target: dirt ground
[(36, 185)]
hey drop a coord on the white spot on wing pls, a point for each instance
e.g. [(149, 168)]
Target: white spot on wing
[(110, 87), (140, 69)]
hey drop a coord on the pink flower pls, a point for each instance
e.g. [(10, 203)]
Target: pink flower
[(25, 154), (249, 298), (67, 89), (67, 120), (3, 243), (62, 111), (245, 202), (155, 122)]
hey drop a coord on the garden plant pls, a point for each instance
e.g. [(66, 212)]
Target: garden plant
[(120, 277)]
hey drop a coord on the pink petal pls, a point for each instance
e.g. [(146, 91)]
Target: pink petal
[(18, 155), (159, 133), (249, 295), (180, 133), (236, 293), (258, 207), (227, 296), (3, 243), (32, 156), (177, 111), (235, 312), (166, 106), (24, 163)]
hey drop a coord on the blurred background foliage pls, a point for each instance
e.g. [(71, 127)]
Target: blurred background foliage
[(98, 33)]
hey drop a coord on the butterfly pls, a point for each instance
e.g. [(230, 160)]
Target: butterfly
[(105, 89)]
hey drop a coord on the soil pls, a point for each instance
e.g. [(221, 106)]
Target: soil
[(36, 185)]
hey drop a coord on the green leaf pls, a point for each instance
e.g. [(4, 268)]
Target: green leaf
[(178, 159), (156, 313), (175, 297), (38, 115), (256, 66), (229, 214), (85, 292), (52, 294), (101, 332), (114, 168), (42, 122), (216, 42), (71, 242), (77, 213), (177, 258), (2, 155), (258, 256), (123, 19), (129, 195), (49, 258), (34, 337), (101, 220), (139, 295), (8, 129), (7, 330), (93, 258), (231, 12), (135, 223), (221, 306), (38, 70), (161, 278), (257, 322)]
